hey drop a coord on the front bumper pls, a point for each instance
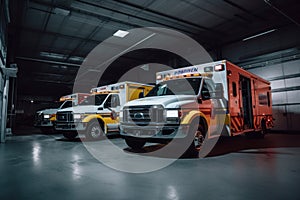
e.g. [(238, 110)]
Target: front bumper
[(43, 123), (154, 131), (70, 126)]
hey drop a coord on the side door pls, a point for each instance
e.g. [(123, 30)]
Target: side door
[(246, 102), (206, 104), (112, 105)]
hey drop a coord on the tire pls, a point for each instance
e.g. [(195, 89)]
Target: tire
[(135, 144), (70, 135), (199, 134), (95, 131)]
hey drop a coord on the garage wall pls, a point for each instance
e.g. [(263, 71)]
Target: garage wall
[(4, 19), (285, 83), (1, 92), (275, 57)]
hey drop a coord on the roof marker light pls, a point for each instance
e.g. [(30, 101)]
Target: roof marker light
[(159, 77), (219, 67)]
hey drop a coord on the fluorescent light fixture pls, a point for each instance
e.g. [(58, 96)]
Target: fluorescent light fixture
[(76, 58), (53, 55), (121, 33), (260, 34), (61, 11)]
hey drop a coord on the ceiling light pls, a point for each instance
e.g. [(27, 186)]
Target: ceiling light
[(61, 11), (259, 34), (76, 58), (121, 33), (52, 55)]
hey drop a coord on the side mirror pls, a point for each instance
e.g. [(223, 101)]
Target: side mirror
[(205, 95), (113, 115), (100, 108)]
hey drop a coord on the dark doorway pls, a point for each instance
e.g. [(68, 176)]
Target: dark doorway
[(245, 84)]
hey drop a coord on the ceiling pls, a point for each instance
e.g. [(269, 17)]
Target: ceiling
[(51, 38)]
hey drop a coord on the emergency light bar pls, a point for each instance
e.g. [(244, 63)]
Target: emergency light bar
[(161, 78), (65, 98), (99, 89), (106, 92)]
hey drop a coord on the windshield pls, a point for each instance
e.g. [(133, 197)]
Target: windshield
[(94, 99), (188, 86), (66, 104)]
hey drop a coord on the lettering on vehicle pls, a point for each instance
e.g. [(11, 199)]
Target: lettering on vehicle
[(184, 71)]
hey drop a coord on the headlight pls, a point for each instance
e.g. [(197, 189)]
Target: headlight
[(78, 116), (121, 114), (46, 116), (172, 113)]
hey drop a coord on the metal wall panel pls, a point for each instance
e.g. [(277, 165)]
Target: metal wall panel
[(280, 116), (268, 72), (279, 98), (293, 97), (277, 84), (285, 83), (292, 82), (292, 67), (293, 116)]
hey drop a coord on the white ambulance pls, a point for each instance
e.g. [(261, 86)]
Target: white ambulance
[(96, 117), (199, 102), (44, 118)]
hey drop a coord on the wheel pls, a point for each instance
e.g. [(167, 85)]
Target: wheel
[(135, 144), (70, 135), (94, 131), (199, 134)]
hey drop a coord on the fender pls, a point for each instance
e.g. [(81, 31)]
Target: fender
[(53, 118), (192, 115), (105, 118)]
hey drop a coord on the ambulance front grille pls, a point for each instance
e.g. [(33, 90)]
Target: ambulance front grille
[(64, 117), (143, 115)]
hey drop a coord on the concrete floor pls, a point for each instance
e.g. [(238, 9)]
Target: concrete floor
[(48, 167)]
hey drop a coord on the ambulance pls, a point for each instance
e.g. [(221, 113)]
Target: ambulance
[(44, 118), (98, 114), (200, 102)]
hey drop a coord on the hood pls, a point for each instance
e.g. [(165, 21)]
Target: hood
[(48, 111), (81, 109), (168, 101)]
